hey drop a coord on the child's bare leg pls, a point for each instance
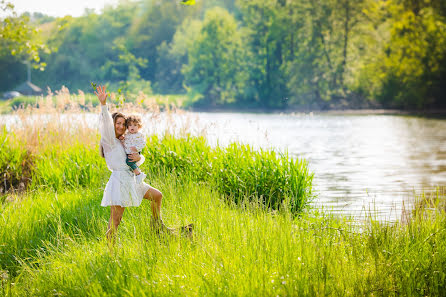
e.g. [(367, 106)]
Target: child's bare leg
[(136, 171)]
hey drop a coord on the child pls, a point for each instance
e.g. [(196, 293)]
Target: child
[(134, 142)]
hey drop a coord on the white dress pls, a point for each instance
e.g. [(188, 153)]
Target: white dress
[(121, 188)]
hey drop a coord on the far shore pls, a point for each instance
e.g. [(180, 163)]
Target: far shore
[(294, 111)]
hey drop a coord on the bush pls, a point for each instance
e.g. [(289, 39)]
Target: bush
[(238, 171), (73, 167)]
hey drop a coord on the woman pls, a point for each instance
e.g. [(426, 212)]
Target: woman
[(121, 190)]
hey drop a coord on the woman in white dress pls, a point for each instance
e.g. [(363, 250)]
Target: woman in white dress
[(122, 190)]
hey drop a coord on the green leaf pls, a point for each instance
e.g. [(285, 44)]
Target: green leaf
[(188, 2)]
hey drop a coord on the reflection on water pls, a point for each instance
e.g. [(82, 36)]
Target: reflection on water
[(361, 162)]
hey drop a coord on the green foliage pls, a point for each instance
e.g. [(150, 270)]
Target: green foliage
[(266, 24), (215, 66), (18, 37), (238, 172), (271, 54), (22, 102), (67, 168), (408, 70), (156, 24), (172, 57), (188, 2), (19, 43), (89, 48), (15, 163)]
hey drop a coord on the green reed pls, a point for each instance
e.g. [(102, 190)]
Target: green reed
[(238, 171), (70, 168)]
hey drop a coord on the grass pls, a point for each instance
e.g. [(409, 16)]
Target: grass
[(55, 244), (52, 235), (238, 171)]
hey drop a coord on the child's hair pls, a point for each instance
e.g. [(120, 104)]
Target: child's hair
[(133, 119)]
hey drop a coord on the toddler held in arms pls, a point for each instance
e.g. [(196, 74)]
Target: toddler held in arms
[(134, 141)]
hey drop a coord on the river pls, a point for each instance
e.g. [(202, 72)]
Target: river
[(363, 164)]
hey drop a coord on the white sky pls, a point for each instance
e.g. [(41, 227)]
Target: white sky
[(59, 8)]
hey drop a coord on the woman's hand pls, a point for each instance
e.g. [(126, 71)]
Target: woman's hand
[(135, 157), (102, 95)]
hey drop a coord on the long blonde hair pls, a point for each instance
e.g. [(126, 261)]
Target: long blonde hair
[(115, 117)]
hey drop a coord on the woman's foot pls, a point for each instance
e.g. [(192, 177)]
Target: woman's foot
[(187, 230), (160, 227)]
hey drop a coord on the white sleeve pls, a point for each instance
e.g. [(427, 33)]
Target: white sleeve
[(140, 161), (106, 129)]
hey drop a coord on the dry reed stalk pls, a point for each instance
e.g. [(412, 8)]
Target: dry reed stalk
[(81, 97), (49, 128), (60, 119)]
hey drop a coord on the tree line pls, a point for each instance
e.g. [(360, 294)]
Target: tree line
[(271, 54)]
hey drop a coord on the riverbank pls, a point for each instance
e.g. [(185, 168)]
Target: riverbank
[(52, 234), (168, 102), (441, 113)]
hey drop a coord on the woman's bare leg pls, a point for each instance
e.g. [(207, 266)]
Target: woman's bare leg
[(156, 197), (116, 213)]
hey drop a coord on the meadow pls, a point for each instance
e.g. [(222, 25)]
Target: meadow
[(255, 233)]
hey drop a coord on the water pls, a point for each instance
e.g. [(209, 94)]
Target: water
[(360, 162)]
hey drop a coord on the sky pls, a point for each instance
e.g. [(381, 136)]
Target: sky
[(59, 8)]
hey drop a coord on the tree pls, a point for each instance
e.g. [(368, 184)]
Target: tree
[(89, 48), (319, 72), (156, 23), (215, 66), (172, 57), (408, 67), (266, 32), (19, 43)]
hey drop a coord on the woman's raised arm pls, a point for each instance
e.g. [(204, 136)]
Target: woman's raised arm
[(102, 95), (106, 127)]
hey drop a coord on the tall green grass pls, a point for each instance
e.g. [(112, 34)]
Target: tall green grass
[(58, 247), (238, 171), (73, 167)]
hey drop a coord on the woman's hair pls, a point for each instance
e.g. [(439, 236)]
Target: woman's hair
[(115, 117), (133, 119)]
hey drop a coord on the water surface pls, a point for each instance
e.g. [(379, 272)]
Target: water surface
[(360, 162)]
